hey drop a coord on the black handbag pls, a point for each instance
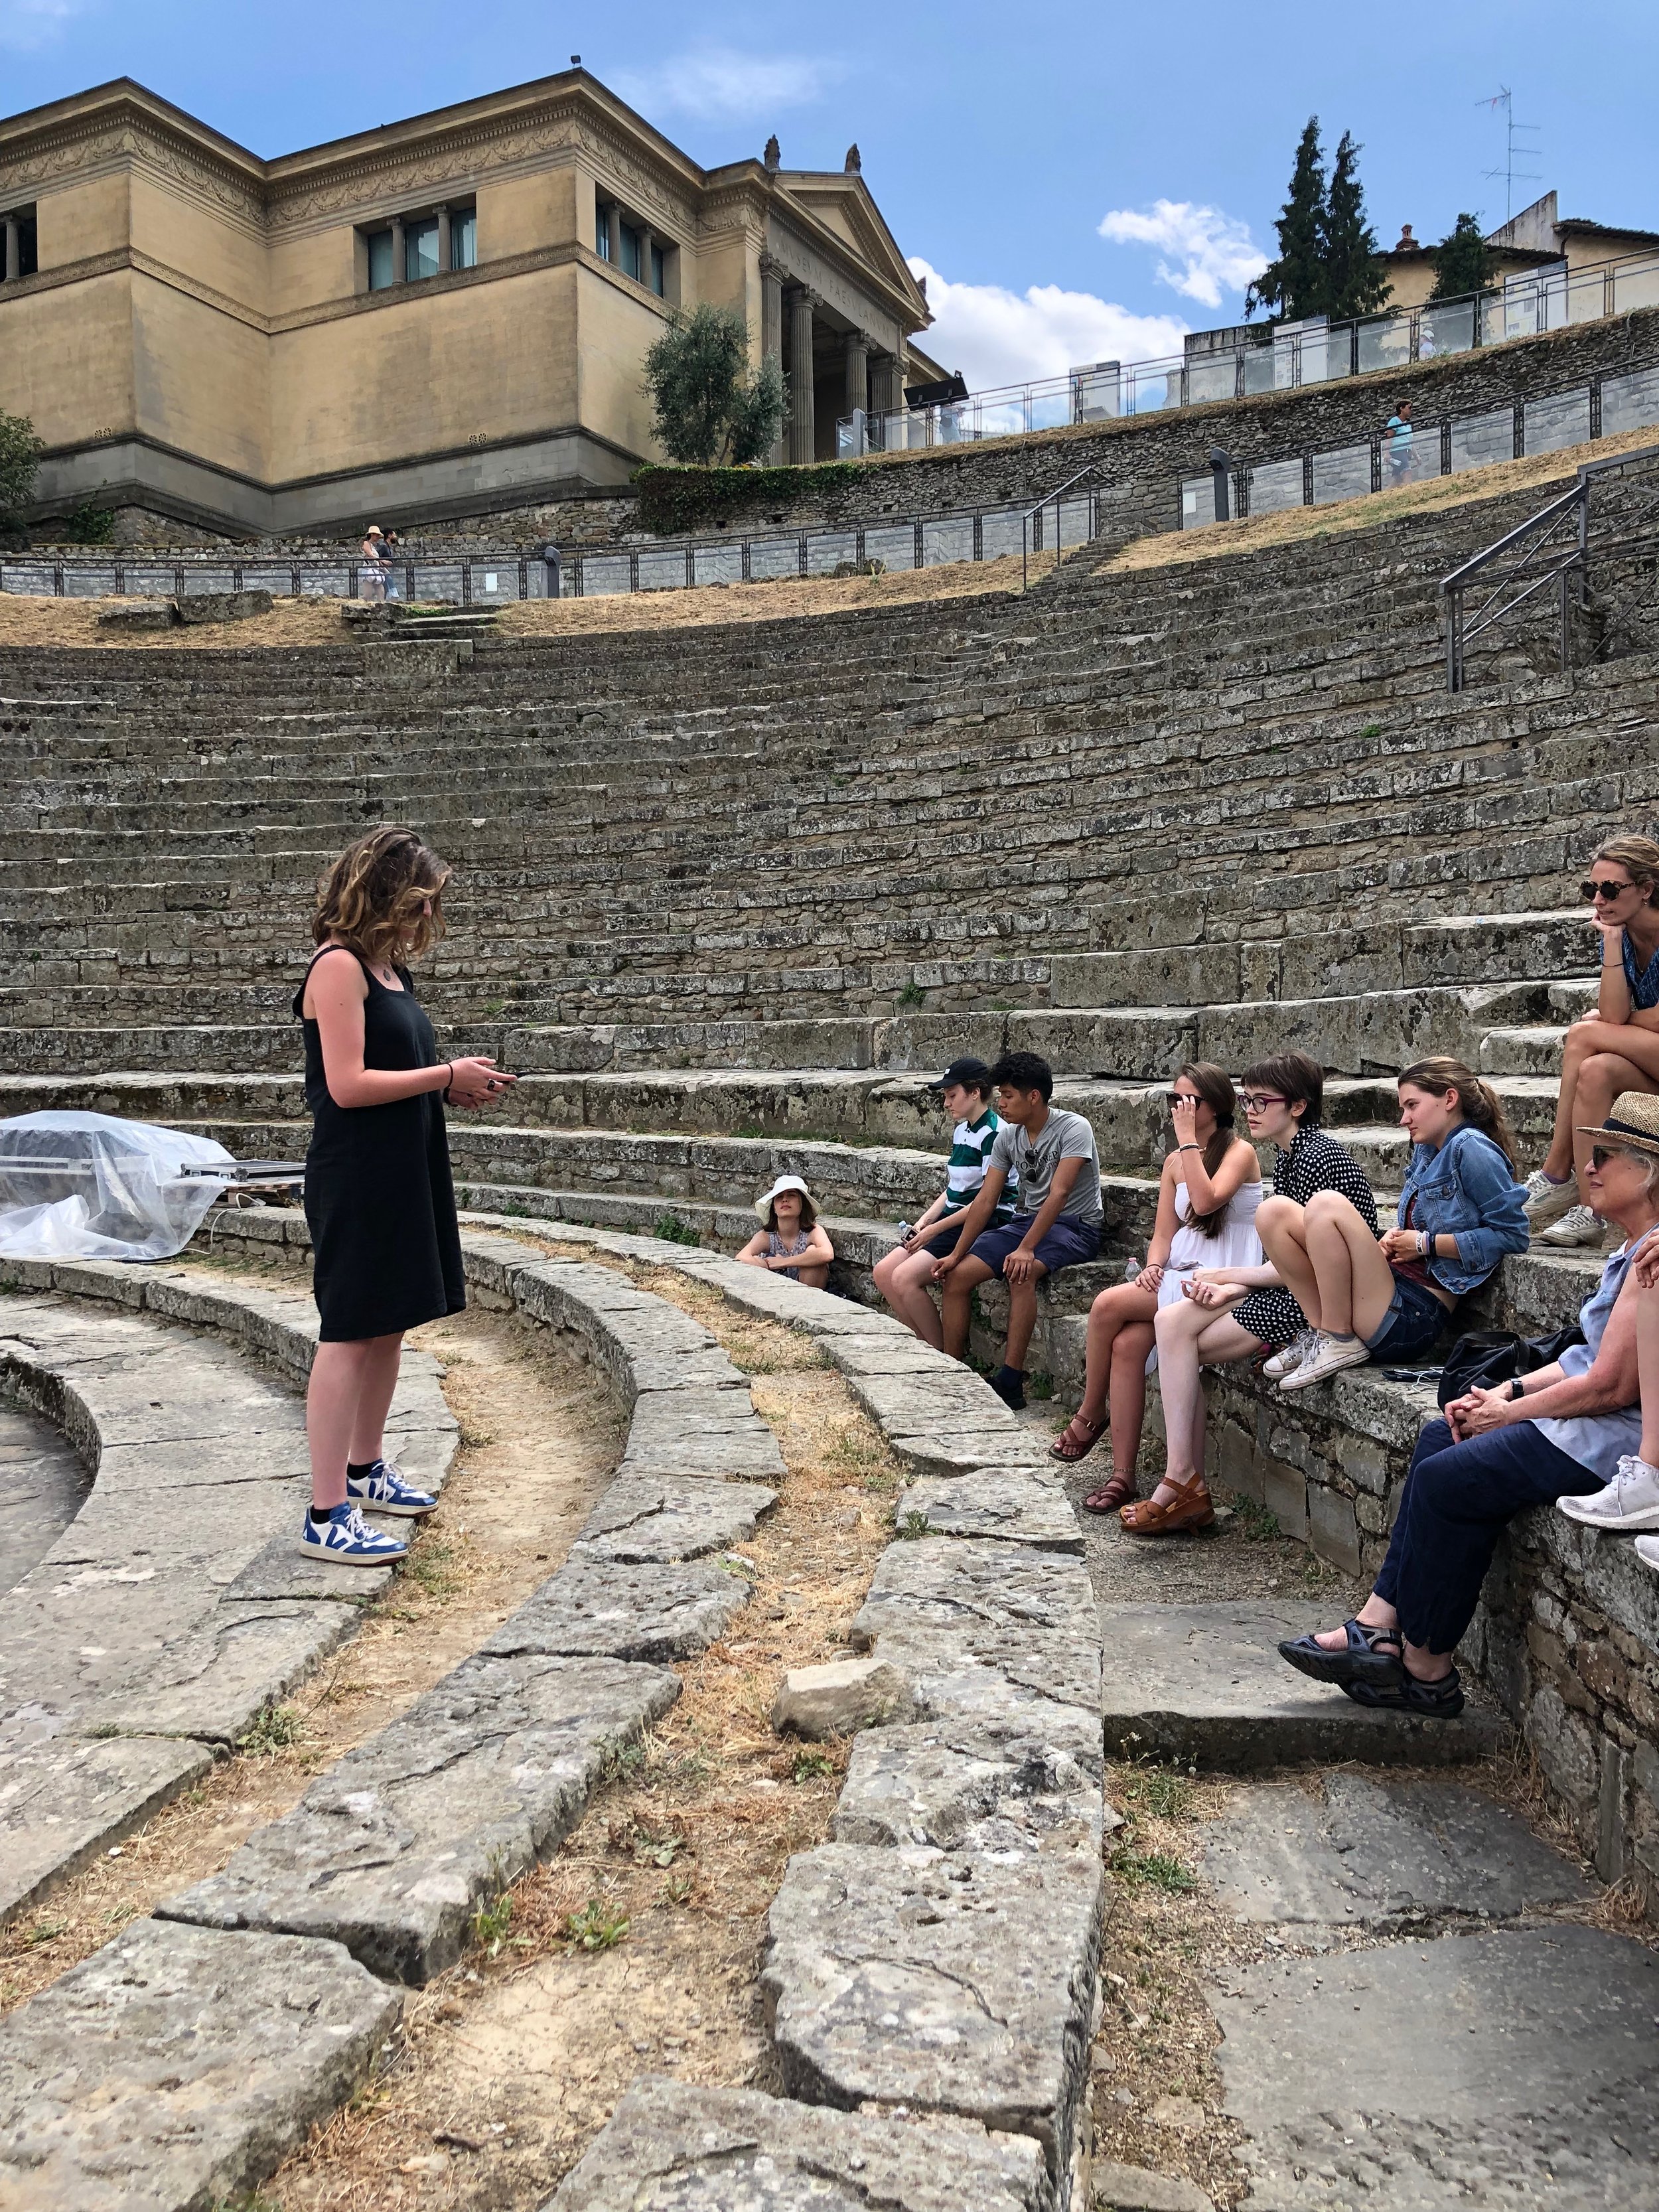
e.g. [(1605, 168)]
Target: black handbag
[(1488, 1356)]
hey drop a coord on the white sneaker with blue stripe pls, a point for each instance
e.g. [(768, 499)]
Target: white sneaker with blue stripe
[(383, 1490), (344, 1541)]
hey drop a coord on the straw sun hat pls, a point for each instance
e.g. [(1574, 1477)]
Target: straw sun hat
[(1632, 1125), (763, 1203)]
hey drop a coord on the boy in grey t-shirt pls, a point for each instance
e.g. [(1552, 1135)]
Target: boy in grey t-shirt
[(1057, 1225)]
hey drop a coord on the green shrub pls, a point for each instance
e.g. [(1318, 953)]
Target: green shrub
[(711, 406), (90, 525)]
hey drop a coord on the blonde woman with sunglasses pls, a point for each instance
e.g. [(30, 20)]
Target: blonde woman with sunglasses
[(1615, 1049)]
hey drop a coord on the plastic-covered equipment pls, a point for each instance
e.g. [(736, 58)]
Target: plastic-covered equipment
[(92, 1187)]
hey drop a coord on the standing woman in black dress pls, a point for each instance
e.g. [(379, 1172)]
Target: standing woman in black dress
[(379, 1196)]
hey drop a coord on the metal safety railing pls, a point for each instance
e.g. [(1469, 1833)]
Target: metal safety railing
[(1031, 530), (1548, 553), (1272, 357), (1405, 451), (487, 579)]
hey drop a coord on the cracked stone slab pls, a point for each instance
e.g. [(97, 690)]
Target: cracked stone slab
[(63, 1799), (1014, 1504), (960, 1617), (671, 2144), (958, 1788), (1514, 2067), (948, 1984), (177, 2066), (662, 1518), (280, 1571), (697, 1431), (1374, 1851), (603, 1609), (44, 1484), (119, 1658), (1204, 1684), (641, 1340), (393, 1848)]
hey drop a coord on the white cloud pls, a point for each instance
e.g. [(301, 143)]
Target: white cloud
[(27, 24), (996, 337), (1214, 251), (717, 85)]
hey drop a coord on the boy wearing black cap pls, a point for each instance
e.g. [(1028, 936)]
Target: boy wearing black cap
[(904, 1276)]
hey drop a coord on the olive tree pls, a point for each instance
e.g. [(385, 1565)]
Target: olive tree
[(712, 407)]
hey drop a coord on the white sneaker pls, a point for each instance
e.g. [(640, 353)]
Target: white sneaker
[(1646, 1550), (1630, 1501), (342, 1540), (1577, 1225), (1329, 1356), (1547, 1201), (1287, 1361)]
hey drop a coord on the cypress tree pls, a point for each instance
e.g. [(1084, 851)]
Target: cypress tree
[(1462, 261), (1356, 281), (1294, 285)]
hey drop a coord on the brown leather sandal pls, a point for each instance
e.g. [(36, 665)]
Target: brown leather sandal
[(1194, 1508), (1074, 1431), (1112, 1495)]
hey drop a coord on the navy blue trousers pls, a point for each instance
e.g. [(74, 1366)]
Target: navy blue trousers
[(1457, 1499)]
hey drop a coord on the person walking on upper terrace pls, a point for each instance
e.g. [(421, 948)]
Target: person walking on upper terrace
[(378, 1197), (904, 1275), (1397, 452), (1388, 1298), (1207, 1196), (793, 1243), (1617, 1047), (1239, 1311), (371, 576), (1050, 1154), (1565, 1431)]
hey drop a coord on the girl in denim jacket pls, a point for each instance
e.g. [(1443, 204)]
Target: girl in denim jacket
[(1388, 1298)]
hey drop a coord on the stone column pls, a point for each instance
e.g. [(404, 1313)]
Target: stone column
[(399, 266), (856, 346), (886, 385), (803, 432), (772, 274), (443, 241), (613, 232), (14, 267)]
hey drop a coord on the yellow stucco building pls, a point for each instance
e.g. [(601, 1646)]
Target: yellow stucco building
[(437, 317)]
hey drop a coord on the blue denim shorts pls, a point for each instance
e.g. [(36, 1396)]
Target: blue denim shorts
[(1415, 1317), (1067, 1243)]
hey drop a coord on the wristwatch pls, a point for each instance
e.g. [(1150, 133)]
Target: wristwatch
[(1517, 1389)]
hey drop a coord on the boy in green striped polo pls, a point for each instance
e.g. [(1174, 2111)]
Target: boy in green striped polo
[(904, 1276)]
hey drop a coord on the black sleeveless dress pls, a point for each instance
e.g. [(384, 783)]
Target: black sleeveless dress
[(378, 1195)]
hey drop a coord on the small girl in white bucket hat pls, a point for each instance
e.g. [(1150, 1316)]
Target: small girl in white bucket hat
[(792, 1243)]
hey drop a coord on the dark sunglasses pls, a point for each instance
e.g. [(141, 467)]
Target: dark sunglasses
[(1182, 1098), (1589, 889), (1601, 1154)]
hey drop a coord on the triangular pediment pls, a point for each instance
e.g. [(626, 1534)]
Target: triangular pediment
[(842, 205)]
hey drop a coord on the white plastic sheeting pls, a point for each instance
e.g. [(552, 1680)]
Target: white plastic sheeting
[(92, 1187)]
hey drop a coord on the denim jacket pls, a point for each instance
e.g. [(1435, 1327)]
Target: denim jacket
[(1466, 1190)]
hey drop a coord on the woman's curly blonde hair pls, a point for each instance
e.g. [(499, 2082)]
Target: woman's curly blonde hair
[(375, 897)]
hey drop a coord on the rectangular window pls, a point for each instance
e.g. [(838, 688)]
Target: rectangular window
[(29, 257), (379, 260), (630, 252), (602, 230), (464, 240), (659, 270), (421, 250)]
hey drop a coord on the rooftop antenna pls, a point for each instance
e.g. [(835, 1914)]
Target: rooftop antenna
[(1509, 172)]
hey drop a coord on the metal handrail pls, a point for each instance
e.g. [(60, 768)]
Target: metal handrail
[(1538, 531), (1049, 499)]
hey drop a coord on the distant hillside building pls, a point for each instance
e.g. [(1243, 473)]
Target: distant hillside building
[(1536, 238), (432, 317)]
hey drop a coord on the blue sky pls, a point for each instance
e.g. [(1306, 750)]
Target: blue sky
[(1078, 182)]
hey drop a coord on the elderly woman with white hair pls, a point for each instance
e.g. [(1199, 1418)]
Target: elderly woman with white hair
[(1565, 1432), (792, 1243)]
